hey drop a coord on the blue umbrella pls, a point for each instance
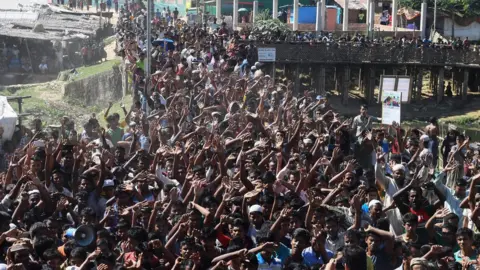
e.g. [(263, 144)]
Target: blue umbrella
[(161, 42)]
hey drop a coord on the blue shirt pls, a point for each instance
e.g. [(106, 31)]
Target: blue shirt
[(310, 258), (144, 142), (263, 265), (283, 252)]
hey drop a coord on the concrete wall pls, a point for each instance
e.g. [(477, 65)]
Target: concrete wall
[(98, 89), (472, 31)]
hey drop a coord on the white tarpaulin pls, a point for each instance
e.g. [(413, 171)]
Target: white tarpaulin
[(8, 119)]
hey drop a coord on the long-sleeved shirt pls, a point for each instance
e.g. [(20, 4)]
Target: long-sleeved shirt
[(391, 187), (452, 202)]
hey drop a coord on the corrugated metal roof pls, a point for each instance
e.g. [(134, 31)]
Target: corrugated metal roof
[(353, 4), (8, 15), (74, 23), (6, 30)]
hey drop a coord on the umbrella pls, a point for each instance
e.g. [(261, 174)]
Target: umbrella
[(242, 10), (161, 42)]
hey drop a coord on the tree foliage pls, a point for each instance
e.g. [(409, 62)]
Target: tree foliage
[(461, 8), (267, 27)]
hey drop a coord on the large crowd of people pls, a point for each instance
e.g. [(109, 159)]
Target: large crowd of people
[(217, 166)]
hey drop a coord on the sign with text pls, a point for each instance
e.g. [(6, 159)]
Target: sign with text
[(267, 54), (402, 84), (391, 107)]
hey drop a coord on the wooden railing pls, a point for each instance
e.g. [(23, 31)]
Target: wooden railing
[(355, 54)]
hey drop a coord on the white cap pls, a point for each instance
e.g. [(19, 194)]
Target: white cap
[(255, 208), (398, 167), (424, 138), (307, 141), (374, 202), (108, 183), (34, 191)]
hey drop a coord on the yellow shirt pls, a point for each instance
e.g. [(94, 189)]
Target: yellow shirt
[(369, 263), (122, 124)]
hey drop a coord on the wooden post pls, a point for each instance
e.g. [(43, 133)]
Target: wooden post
[(360, 79), (346, 85), (371, 86), (321, 81), (441, 84), (29, 57), (274, 71), (419, 84), (465, 84), (297, 78)]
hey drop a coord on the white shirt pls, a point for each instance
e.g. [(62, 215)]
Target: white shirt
[(190, 60), (390, 186)]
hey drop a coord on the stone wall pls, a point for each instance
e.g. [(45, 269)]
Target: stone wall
[(98, 89)]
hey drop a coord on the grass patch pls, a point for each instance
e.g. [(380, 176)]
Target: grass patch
[(47, 104), (36, 105), (85, 72), (469, 120)]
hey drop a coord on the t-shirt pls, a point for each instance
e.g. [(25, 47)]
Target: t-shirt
[(310, 258), (52, 189), (115, 135), (141, 64), (459, 258), (264, 265), (382, 261)]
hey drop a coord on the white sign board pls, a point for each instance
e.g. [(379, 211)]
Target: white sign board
[(388, 84), (8, 119), (267, 54), (403, 86), (391, 107)]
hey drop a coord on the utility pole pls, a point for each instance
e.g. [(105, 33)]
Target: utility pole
[(148, 55), (435, 16)]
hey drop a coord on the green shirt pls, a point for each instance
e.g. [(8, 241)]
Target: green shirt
[(115, 135), (141, 64)]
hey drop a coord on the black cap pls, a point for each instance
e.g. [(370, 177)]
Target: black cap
[(198, 168), (461, 182), (268, 177)]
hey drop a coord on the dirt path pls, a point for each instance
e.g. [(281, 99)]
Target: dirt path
[(110, 50)]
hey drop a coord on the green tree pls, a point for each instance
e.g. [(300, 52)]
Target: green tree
[(461, 8), (265, 27)]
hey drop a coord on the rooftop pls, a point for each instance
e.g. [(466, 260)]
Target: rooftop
[(353, 4), (57, 25)]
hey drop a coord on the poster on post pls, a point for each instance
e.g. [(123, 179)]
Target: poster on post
[(267, 54), (404, 86), (388, 83), (391, 107)]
